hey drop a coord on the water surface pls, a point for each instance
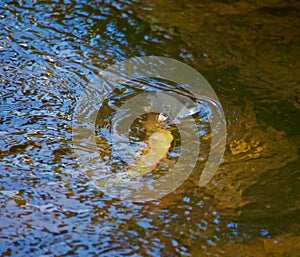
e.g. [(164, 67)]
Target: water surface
[(248, 51)]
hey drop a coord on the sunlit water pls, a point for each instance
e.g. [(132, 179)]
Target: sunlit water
[(50, 52)]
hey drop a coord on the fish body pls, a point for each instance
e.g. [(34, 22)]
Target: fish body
[(159, 144)]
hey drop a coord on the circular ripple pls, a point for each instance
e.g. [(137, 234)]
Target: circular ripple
[(191, 95)]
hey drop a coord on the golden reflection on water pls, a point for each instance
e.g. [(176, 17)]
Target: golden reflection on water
[(251, 47)]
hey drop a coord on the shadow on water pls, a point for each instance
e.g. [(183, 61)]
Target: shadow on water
[(247, 50)]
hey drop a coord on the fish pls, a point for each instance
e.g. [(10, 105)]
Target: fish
[(158, 144)]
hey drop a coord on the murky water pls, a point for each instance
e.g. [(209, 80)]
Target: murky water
[(51, 51)]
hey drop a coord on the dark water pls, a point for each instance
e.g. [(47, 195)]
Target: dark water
[(248, 51)]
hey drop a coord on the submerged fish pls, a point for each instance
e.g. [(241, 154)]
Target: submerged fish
[(158, 143)]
